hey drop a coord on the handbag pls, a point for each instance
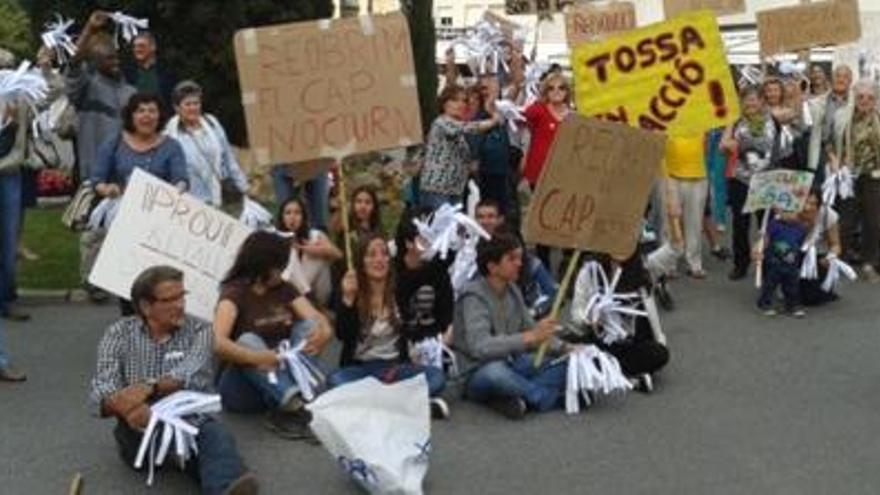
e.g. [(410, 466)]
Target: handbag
[(76, 215)]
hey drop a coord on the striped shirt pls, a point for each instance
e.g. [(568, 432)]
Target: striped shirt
[(127, 355)]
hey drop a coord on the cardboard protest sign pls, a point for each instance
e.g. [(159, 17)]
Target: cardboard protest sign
[(671, 76), (535, 6), (157, 225), (310, 87), (789, 29), (595, 186), (585, 23), (785, 190), (674, 8)]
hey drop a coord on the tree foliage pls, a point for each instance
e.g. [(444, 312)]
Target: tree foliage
[(195, 38), (15, 29)]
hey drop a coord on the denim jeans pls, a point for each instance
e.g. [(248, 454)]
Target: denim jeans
[(215, 467), (316, 194), (542, 389), (779, 275), (389, 372), (10, 219), (248, 390), (547, 286), (4, 358)]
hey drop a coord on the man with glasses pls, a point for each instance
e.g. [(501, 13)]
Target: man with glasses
[(153, 354)]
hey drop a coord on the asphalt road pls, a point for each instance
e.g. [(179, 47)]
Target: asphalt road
[(748, 404)]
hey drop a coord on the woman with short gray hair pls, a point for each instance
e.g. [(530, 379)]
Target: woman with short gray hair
[(857, 146), (215, 176)]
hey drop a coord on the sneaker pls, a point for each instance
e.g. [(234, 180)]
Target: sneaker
[(291, 426), (798, 313), (246, 484), (870, 274), (509, 407), (738, 273), (721, 253), (439, 408), (644, 383), (769, 311), (10, 374), (696, 274), (96, 295), (14, 313)]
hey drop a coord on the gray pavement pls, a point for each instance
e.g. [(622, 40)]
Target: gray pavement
[(748, 404)]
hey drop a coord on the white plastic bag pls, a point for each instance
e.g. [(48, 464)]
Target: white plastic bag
[(379, 434)]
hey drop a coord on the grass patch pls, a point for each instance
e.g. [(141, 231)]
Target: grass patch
[(58, 247)]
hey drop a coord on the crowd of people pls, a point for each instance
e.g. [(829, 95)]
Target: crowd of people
[(395, 307)]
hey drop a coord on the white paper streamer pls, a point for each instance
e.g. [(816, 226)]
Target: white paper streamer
[(254, 215), (511, 113), (171, 412), (809, 269), (838, 184), (836, 268), (306, 376), (22, 85), (532, 81), (597, 305), (486, 47), (432, 351), (590, 370), (104, 213), (56, 38), (128, 27), (447, 229), (750, 76)]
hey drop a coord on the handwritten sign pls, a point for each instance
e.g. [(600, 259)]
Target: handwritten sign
[(594, 189), (674, 8), (156, 225), (311, 87), (785, 190), (672, 76), (817, 24), (585, 23), (515, 7)]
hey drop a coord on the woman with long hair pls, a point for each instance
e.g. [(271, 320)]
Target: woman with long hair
[(257, 312), (311, 252), (370, 328), (543, 118)]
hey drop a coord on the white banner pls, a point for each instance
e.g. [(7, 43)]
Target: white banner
[(157, 225)]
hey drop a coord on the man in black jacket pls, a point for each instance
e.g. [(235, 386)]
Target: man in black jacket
[(147, 74)]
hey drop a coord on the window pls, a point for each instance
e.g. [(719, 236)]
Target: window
[(446, 21)]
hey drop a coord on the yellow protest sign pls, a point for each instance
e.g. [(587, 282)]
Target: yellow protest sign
[(671, 76)]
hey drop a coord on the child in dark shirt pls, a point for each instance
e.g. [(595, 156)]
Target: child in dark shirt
[(782, 258)]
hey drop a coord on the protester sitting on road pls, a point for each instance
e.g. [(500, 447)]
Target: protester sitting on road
[(257, 311), (448, 157), (642, 351), (423, 290), (536, 283), (369, 326), (755, 139), (213, 171), (857, 144), (824, 235), (153, 354), (781, 257), (494, 333), (311, 252)]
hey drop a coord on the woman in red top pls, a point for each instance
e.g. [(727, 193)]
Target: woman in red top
[(544, 117)]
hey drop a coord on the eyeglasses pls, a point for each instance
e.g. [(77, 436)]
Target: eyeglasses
[(171, 299), (559, 88)]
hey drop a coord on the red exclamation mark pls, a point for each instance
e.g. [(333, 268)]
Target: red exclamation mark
[(716, 94)]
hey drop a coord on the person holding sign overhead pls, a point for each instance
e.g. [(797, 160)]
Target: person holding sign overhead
[(543, 118)]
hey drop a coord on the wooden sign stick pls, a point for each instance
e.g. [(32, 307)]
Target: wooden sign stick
[(557, 303), (338, 155), (759, 268)]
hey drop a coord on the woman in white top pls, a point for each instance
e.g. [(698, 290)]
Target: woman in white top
[(209, 157), (311, 252)]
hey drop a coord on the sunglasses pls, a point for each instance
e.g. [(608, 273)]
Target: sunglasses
[(560, 88)]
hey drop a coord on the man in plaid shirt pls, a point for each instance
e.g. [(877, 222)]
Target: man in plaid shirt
[(159, 351)]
